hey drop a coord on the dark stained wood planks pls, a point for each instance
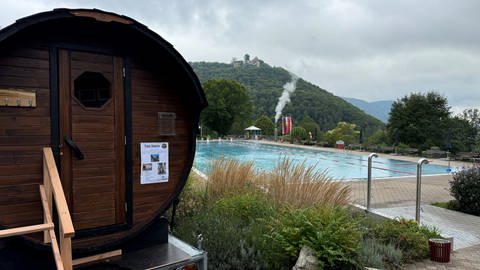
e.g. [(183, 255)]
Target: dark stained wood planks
[(23, 134)]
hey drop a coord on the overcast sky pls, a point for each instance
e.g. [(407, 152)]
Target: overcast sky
[(372, 50)]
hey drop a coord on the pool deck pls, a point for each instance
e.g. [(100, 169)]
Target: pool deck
[(396, 197)]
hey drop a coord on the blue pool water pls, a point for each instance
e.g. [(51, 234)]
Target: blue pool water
[(339, 165)]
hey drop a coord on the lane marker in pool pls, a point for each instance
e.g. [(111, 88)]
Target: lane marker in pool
[(396, 171)]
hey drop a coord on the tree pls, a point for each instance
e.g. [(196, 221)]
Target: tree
[(461, 135), (297, 134), (228, 106), (380, 137), (265, 124), (472, 116), (419, 120), (344, 131), (310, 126)]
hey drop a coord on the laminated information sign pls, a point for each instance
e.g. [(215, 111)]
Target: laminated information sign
[(154, 157)]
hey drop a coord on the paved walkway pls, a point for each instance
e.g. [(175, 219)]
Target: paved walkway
[(395, 197), (467, 258)]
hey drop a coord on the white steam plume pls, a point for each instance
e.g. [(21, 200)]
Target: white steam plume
[(288, 89)]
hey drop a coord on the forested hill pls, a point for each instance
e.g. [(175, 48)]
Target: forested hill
[(265, 85)]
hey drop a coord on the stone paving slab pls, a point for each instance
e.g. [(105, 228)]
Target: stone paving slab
[(401, 191)]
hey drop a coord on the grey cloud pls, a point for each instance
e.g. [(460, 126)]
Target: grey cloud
[(364, 49)]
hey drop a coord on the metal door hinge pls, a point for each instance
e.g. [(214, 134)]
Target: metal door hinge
[(126, 207), (123, 72), (125, 140)]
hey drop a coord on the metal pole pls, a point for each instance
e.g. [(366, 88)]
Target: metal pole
[(275, 133), (369, 180), (419, 187)]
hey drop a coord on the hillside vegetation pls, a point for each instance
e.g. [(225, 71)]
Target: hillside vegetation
[(265, 85)]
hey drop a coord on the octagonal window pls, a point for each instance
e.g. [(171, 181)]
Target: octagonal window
[(92, 89)]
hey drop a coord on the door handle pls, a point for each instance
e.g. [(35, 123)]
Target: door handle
[(76, 151)]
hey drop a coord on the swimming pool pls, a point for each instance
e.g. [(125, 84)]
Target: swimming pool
[(339, 165)]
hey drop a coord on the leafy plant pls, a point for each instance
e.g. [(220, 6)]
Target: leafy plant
[(249, 206), (465, 188), (406, 235), (329, 231), (374, 253), (225, 238), (452, 205), (192, 199), (231, 228)]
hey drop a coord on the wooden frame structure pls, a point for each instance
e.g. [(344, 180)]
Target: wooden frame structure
[(51, 186)]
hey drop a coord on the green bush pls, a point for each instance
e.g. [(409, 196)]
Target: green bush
[(330, 231), (298, 134), (249, 207), (231, 228), (465, 188), (373, 253), (406, 235), (452, 205), (225, 240)]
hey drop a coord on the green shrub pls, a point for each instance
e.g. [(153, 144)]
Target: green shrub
[(373, 253), (192, 199), (297, 134), (452, 205), (231, 228), (249, 207), (225, 240), (465, 188), (406, 235), (330, 231)]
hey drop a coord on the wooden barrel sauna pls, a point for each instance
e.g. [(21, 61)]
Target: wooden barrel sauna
[(119, 107)]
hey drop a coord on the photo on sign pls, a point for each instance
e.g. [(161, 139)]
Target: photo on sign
[(147, 166), (162, 168), (154, 157)]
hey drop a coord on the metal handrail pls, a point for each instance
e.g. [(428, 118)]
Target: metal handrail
[(369, 180), (419, 187)]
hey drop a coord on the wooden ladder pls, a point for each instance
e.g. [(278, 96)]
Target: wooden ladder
[(50, 190)]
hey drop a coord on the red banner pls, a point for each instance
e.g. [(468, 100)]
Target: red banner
[(286, 125)]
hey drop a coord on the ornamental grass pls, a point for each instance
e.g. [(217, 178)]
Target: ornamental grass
[(289, 184), (298, 185), (228, 176)]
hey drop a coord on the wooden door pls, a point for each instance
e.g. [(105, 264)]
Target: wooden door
[(92, 137)]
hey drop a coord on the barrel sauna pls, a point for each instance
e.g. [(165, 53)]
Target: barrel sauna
[(102, 90)]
